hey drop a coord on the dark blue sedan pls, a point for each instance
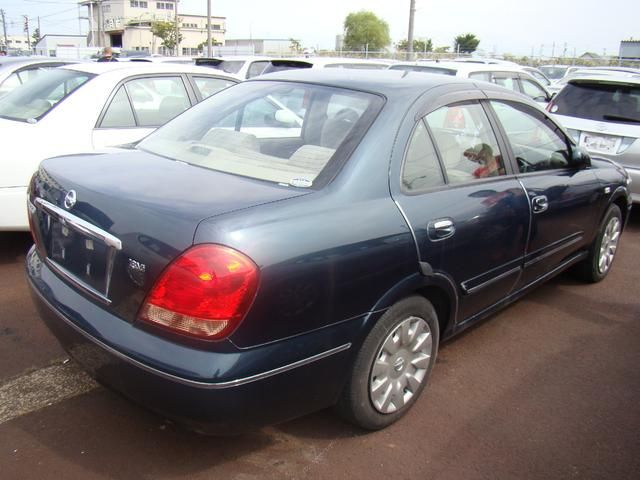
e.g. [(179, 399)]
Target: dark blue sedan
[(308, 238)]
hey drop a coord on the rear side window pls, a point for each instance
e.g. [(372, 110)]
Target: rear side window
[(207, 86), (599, 101), (533, 91), (466, 142), (157, 100), (484, 76), (119, 114), (506, 80)]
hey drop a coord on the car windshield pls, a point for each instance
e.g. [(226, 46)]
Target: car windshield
[(613, 102), (33, 100), (282, 132), (425, 69), (553, 73)]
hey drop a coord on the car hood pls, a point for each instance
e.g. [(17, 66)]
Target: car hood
[(152, 204)]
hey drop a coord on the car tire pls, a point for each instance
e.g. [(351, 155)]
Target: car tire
[(603, 249), (393, 366)]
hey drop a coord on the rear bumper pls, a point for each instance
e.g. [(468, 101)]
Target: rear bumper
[(13, 214), (244, 389)]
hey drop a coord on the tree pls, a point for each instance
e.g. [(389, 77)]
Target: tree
[(295, 45), (418, 45), (36, 36), (466, 43), (363, 30), (167, 32)]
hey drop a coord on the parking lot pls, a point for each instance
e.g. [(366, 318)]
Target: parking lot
[(548, 388)]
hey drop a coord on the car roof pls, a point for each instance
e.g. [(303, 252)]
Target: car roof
[(242, 58), (126, 69), (392, 84)]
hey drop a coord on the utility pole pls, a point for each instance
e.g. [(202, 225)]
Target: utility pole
[(177, 27), (412, 12), (26, 29), (209, 54), (4, 29)]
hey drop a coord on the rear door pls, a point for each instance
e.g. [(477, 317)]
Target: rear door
[(563, 198), (468, 212)]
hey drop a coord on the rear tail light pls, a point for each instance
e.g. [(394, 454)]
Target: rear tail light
[(204, 293)]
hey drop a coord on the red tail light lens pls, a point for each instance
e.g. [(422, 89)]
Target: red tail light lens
[(205, 292)]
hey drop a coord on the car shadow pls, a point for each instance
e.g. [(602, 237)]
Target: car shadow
[(14, 245)]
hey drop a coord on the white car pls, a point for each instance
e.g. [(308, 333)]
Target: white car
[(87, 107), (512, 77), (14, 71), (241, 66)]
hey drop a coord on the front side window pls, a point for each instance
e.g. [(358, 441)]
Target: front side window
[(281, 132), (466, 142), (533, 91), (421, 169), (536, 142), (33, 100)]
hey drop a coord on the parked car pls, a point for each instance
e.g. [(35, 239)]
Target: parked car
[(602, 113), (14, 71), (228, 281), (513, 78), (242, 66), (84, 107), (556, 72), (593, 71), (282, 64), (538, 75), (160, 59)]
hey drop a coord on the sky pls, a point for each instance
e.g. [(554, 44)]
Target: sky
[(503, 26)]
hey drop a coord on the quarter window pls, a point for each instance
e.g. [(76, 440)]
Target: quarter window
[(119, 113), (466, 142), (421, 169), (536, 142)]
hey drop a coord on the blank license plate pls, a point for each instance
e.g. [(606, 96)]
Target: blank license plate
[(600, 143)]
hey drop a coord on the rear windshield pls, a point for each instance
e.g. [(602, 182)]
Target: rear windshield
[(553, 73), (288, 133), (33, 100), (599, 101), (424, 68)]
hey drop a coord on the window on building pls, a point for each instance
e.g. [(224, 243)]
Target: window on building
[(216, 27), (138, 4)]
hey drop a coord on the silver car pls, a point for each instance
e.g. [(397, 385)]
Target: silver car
[(602, 113)]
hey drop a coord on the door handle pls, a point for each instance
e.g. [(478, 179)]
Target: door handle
[(539, 204), (441, 229)]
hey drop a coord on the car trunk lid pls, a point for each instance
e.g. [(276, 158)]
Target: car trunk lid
[(130, 214)]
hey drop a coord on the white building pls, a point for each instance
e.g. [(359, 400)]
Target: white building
[(49, 44), (127, 24), (15, 42)]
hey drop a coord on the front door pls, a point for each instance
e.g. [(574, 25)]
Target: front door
[(562, 197)]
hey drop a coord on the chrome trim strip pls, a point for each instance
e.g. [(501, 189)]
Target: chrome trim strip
[(185, 381), (76, 281), (81, 225), (491, 280), (553, 251)]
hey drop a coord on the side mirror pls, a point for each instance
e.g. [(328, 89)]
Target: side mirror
[(580, 157)]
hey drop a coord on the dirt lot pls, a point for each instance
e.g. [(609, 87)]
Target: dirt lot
[(546, 389)]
